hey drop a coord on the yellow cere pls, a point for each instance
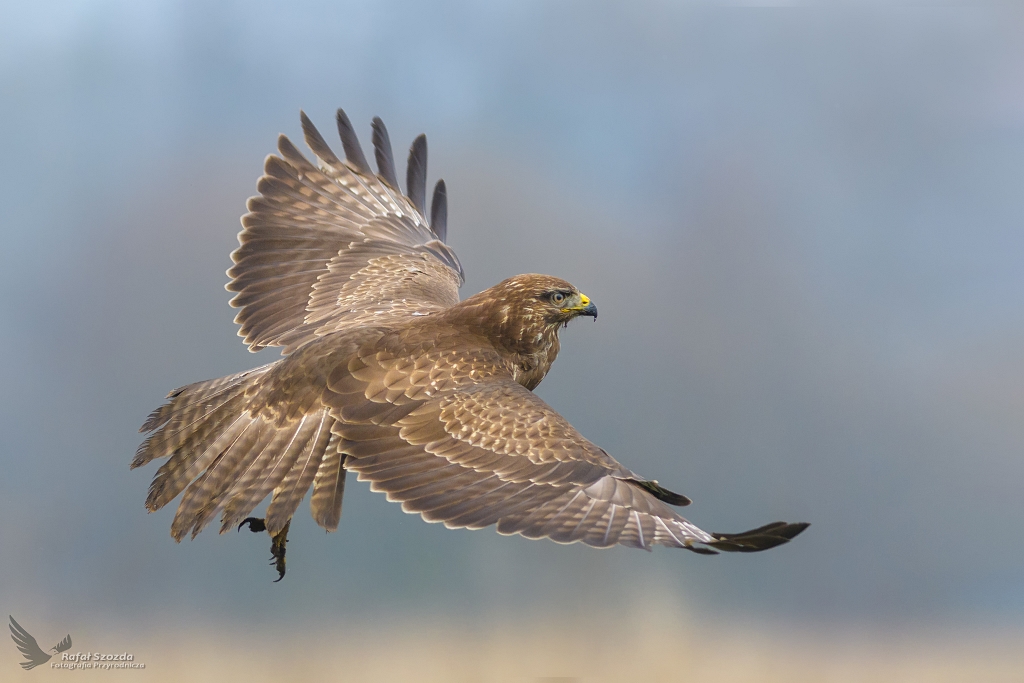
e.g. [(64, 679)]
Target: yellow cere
[(584, 302)]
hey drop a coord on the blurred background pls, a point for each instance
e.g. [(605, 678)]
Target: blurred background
[(802, 227)]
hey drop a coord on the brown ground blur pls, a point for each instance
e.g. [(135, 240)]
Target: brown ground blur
[(643, 646)]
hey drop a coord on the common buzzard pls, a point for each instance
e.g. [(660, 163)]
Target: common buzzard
[(388, 374)]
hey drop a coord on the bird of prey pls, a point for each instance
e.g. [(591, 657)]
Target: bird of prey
[(28, 646), (386, 373)]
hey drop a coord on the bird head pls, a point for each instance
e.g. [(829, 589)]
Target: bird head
[(526, 311), (543, 300)]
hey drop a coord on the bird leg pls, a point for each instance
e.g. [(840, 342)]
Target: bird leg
[(277, 544), (277, 550)]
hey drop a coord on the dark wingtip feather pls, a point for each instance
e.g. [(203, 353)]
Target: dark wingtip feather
[(661, 493), (316, 141), (349, 140), (382, 152), (791, 531), (439, 211), (761, 538), (416, 173), (700, 550)]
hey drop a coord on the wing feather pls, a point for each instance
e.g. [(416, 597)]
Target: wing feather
[(439, 211), (492, 453), (416, 173), (383, 154), (316, 142), (350, 141)]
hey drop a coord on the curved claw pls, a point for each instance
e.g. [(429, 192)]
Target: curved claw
[(256, 524), (277, 544), (277, 550)]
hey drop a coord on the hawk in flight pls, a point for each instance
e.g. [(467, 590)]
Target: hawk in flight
[(386, 373)]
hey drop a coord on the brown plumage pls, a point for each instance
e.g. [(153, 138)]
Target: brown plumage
[(389, 375)]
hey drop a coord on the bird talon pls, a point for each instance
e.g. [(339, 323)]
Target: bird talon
[(277, 544), (277, 551), (256, 524)]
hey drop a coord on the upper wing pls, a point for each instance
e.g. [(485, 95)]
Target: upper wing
[(469, 448), (27, 645), (330, 246)]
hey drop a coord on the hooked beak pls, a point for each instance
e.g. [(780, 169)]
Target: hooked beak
[(586, 307)]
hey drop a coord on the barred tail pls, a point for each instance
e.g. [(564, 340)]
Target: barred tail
[(226, 455)]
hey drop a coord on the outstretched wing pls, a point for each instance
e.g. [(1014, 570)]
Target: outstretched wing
[(334, 245), (455, 439), (28, 646), (64, 645)]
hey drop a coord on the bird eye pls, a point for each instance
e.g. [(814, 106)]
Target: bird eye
[(557, 298)]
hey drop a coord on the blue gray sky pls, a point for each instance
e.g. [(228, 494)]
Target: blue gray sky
[(802, 226)]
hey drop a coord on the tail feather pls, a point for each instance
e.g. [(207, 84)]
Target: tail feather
[(187, 463), (329, 486), (217, 498), (187, 434), (279, 458), (193, 412), (228, 450), (199, 503), (289, 493), (246, 478), (189, 395)]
